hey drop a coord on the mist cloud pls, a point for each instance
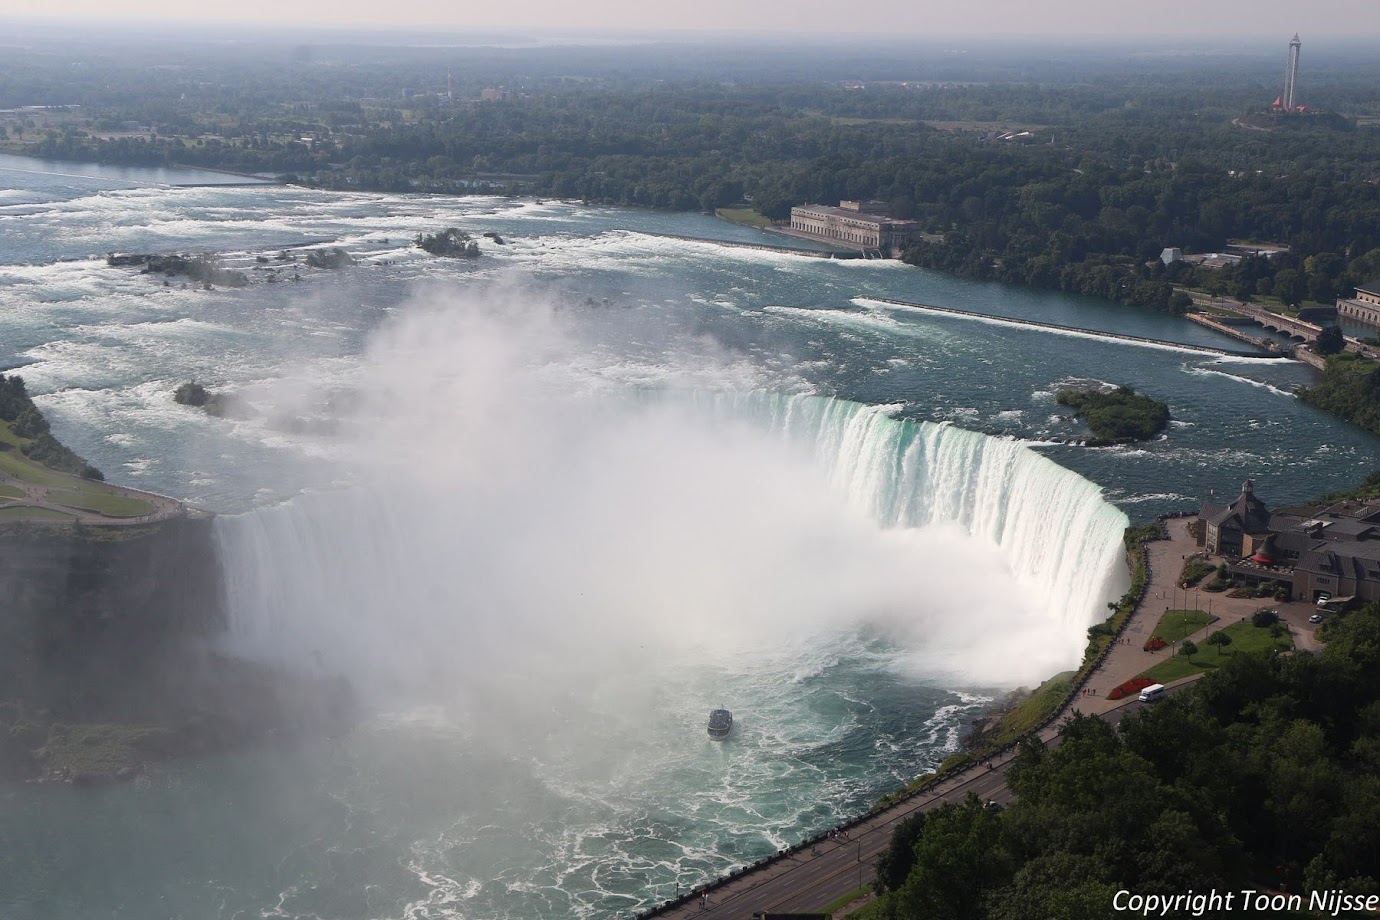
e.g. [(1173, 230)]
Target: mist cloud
[(523, 518)]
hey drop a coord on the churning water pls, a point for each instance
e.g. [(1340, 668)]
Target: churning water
[(548, 508)]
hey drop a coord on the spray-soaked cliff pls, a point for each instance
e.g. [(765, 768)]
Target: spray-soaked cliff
[(88, 611), (107, 644)]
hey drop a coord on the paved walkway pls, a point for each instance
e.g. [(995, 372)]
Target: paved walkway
[(812, 877), (1167, 558)]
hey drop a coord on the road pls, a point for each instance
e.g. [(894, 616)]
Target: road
[(812, 877)]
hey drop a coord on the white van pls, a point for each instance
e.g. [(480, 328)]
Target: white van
[(1152, 693)]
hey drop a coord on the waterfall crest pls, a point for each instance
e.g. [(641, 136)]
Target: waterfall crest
[(1055, 529), (753, 518)]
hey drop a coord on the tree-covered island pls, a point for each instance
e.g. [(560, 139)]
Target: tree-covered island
[(1116, 415), (452, 242)]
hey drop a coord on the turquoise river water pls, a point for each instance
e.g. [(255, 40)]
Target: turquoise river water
[(548, 507)]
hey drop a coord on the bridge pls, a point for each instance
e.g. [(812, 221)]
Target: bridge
[(1296, 329), (1076, 330), (1224, 325)]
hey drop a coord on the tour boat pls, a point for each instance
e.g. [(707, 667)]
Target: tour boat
[(720, 723)]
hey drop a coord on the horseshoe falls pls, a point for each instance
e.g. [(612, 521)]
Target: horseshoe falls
[(1054, 528), (929, 568), (545, 509)]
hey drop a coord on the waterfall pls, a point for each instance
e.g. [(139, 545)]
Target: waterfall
[(667, 520), (1054, 528)]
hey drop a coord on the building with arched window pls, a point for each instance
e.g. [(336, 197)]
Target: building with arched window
[(862, 224)]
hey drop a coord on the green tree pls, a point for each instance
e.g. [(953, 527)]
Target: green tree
[(896, 861), (957, 860), (1330, 341)]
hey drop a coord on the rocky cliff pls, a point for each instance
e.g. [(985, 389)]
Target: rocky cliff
[(108, 654)]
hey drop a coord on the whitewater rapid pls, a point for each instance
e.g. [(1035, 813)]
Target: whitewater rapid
[(539, 596)]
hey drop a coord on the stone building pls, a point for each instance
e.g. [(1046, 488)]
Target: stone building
[(863, 224), (1333, 550), (1365, 306), (1237, 529)]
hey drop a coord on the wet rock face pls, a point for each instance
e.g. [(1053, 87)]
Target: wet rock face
[(86, 608), (106, 658)]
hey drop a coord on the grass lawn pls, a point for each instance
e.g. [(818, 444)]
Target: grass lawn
[(1033, 710), (1245, 638), (26, 470), (111, 504), (745, 216), (842, 902), (68, 489), (1180, 624), (10, 492), (32, 514), (78, 749)]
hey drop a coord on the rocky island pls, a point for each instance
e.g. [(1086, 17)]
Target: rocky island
[(202, 269), (1116, 416), (452, 242)]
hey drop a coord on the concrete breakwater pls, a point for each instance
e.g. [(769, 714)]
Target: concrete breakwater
[(789, 250), (1227, 328), (1077, 330)]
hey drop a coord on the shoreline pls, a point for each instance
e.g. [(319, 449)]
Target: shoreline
[(803, 876)]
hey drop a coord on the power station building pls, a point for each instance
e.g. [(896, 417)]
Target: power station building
[(862, 224), (1365, 306)]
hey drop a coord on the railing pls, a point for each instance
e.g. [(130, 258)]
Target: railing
[(1085, 673)]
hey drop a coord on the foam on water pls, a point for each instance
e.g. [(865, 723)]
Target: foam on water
[(596, 794), (1017, 324), (1206, 371)]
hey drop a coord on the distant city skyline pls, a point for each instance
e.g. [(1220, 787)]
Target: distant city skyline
[(896, 18)]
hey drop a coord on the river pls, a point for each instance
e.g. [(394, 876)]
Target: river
[(550, 506)]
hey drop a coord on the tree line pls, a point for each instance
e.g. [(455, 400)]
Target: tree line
[(1106, 176), (1264, 775)]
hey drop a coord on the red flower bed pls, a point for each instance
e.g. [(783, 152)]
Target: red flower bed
[(1134, 685), (1155, 644)]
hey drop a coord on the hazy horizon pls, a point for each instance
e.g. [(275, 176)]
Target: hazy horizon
[(1073, 19)]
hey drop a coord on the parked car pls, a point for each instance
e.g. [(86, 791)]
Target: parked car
[(1315, 618)]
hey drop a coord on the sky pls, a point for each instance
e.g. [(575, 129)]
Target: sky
[(897, 18)]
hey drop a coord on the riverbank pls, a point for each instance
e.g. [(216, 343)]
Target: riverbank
[(816, 871), (810, 874)]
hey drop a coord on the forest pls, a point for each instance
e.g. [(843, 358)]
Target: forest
[(1349, 388), (1069, 169), (1263, 775), (1023, 167)]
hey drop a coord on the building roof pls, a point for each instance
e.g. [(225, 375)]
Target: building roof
[(1370, 287), (1359, 560), (862, 216), (1248, 512)]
